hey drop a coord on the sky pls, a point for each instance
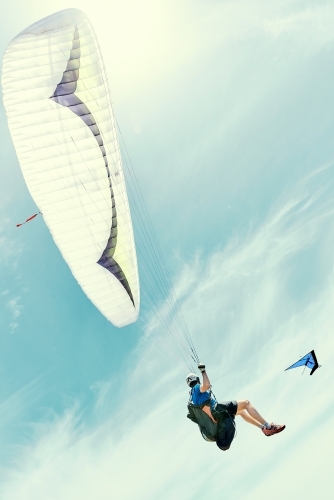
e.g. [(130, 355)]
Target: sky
[(226, 110)]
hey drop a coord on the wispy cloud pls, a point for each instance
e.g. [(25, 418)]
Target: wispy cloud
[(248, 329), (250, 313), (7, 245), (15, 308), (310, 26)]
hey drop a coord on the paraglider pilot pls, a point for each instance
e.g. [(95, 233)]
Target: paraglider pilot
[(217, 420)]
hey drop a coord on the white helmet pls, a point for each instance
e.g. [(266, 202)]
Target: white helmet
[(192, 379)]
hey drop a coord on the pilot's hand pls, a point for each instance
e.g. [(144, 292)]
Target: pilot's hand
[(201, 367)]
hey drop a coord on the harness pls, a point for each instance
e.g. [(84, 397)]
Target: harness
[(222, 432), (207, 427)]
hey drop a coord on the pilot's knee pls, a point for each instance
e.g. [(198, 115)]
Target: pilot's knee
[(243, 405)]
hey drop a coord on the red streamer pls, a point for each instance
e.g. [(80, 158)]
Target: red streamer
[(29, 219)]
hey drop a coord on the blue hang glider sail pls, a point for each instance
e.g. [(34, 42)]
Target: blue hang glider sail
[(309, 361)]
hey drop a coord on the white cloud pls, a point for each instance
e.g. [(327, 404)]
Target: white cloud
[(310, 26), (238, 307), (16, 310), (15, 307), (247, 323), (10, 248)]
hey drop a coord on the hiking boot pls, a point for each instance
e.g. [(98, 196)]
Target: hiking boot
[(278, 428)]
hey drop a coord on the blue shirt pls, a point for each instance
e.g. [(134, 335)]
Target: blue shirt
[(198, 398)]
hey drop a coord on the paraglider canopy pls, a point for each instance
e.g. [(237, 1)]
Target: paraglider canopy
[(61, 121)]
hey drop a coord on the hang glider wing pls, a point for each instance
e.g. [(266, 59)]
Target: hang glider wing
[(309, 361)]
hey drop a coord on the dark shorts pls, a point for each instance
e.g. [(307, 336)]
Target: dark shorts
[(230, 406)]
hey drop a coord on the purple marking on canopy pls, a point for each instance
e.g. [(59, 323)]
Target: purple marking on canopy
[(64, 95)]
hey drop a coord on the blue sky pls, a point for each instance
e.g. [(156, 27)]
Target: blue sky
[(226, 109)]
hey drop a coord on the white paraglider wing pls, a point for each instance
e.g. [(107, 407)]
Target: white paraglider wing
[(61, 121)]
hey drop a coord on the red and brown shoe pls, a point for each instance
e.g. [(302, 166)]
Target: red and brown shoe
[(278, 428), (269, 432)]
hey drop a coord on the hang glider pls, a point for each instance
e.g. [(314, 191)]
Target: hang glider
[(309, 361)]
